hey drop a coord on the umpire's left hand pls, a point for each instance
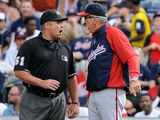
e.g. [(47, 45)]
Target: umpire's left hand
[(73, 111)]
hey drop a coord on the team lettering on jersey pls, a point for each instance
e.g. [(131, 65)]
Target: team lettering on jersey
[(97, 51)]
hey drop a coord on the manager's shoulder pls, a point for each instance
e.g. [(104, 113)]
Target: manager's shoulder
[(113, 29)]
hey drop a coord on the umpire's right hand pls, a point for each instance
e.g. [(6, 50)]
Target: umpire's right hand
[(50, 84)]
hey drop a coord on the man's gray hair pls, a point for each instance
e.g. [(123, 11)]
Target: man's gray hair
[(101, 18)]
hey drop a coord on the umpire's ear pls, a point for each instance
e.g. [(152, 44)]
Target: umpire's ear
[(46, 25)]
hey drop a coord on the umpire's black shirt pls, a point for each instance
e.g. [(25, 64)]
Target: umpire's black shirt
[(46, 60)]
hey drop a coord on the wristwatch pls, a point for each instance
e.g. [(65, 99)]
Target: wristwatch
[(134, 78), (76, 103)]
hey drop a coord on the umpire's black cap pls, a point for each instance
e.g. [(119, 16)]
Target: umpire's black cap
[(51, 15), (93, 9)]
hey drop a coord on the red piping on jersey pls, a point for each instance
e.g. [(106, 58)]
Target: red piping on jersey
[(116, 105), (124, 54)]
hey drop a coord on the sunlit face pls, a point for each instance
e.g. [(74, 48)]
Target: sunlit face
[(26, 9), (13, 95), (145, 103), (19, 42), (2, 25), (55, 28), (130, 4), (123, 11), (156, 23), (2, 5), (89, 24), (31, 26)]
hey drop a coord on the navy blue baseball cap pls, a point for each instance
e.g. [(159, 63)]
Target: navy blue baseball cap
[(93, 9), (157, 14), (137, 2), (51, 15), (72, 12)]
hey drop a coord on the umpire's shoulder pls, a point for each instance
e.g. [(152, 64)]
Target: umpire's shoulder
[(65, 44), (30, 44), (31, 41)]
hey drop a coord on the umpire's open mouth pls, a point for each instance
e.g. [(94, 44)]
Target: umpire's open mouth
[(60, 31)]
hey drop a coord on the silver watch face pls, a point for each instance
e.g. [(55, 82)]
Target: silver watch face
[(134, 78)]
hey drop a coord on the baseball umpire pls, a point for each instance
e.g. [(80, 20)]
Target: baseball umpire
[(45, 64), (112, 60)]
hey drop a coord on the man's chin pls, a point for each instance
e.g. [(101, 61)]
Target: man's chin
[(60, 36)]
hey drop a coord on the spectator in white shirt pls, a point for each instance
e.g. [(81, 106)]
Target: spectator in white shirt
[(147, 110), (3, 107), (12, 53), (30, 25)]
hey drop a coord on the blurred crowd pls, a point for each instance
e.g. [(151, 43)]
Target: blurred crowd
[(138, 19)]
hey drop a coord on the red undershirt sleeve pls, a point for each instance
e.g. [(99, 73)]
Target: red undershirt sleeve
[(134, 66), (123, 49)]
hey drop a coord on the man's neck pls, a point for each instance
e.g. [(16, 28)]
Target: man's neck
[(148, 111), (16, 108), (28, 33), (47, 37), (99, 26), (87, 35)]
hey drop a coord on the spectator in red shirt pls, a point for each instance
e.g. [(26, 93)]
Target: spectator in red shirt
[(152, 44)]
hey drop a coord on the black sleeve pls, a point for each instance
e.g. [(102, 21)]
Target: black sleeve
[(148, 38), (72, 71), (23, 57), (139, 25)]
